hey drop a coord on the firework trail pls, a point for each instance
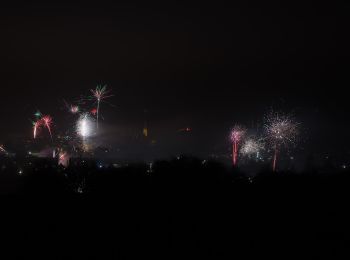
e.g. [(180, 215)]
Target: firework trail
[(282, 131), (100, 93), (36, 127), (47, 121), (236, 136), (40, 122)]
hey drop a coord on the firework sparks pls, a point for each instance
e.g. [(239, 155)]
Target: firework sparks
[(71, 108), (36, 126), (47, 121), (236, 136), (84, 126), (251, 147), (74, 109), (282, 131), (93, 111), (100, 93)]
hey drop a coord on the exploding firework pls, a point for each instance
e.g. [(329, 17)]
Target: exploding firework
[(251, 147), (74, 109), (100, 93), (281, 131), (41, 121), (236, 136), (84, 126), (93, 111), (71, 108), (47, 122)]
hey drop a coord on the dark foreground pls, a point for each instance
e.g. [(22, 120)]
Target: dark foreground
[(176, 210)]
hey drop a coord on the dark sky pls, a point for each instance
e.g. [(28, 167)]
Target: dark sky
[(202, 65)]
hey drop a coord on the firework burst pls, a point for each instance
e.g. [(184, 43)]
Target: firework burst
[(42, 121), (251, 147), (100, 94), (84, 126), (237, 134), (281, 131), (74, 109), (93, 111), (47, 122)]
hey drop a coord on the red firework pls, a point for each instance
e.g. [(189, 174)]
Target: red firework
[(47, 121), (236, 136), (94, 111)]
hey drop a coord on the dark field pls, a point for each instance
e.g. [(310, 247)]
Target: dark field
[(176, 209)]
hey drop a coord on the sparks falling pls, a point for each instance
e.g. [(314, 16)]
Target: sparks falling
[(71, 108), (100, 93), (42, 121), (236, 136), (281, 131), (47, 121)]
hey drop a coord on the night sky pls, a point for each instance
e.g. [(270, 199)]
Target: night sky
[(206, 66)]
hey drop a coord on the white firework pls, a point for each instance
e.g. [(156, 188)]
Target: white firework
[(281, 131), (251, 147), (85, 126)]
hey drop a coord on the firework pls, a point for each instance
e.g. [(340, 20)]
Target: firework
[(236, 136), (47, 122), (38, 114), (71, 108), (74, 109), (187, 129), (100, 93), (93, 111), (84, 126), (36, 126), (251, 147), (281, 131)]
